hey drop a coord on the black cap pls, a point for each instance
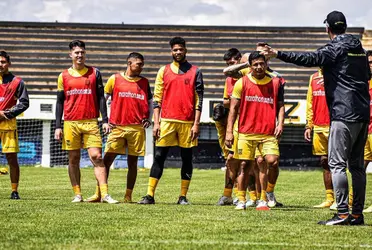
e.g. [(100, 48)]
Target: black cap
[(336, 20)]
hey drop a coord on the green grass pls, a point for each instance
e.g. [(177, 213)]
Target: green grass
[(45, 218)]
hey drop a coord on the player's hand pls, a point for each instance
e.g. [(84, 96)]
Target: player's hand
[(278, 131), (58, 134), (146, 123), (106, 128), (229, 139), (2, 116), (307, 134), (156, 131), (194, 131), (320, 80), (269, 52)]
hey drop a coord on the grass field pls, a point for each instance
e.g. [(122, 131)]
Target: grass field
[(45, 218)]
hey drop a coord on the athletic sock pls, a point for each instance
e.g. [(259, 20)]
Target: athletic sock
[(259, 196), (253, 195), (343, 216), (184, 187), (330, 195), (235, 191), (241, 196), (263, 196), (153, 182), (98, 191), (128, 194), (76, 189), (350, 196), (227, 192), (104, 190), (14, 187), (270, 187)]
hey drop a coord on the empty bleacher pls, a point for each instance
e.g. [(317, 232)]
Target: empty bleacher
[(39, 51)]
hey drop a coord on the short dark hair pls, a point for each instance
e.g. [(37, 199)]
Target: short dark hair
[(337, 31), (232, 53), (136, 55), (5, 55), (369, 53), (177, 40), (76, 43), (262, 44), (255, 55)]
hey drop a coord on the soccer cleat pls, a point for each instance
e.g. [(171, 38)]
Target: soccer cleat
[(271, 201), (359, 221), (240, 205), (93, 198), (77, 199), (183, 201), (3, 171), (262, 206), (14, 196), (278, 204), (368, 210), (146, 200), (250, 203), (334, 206), (324, 204), (335, 221), (108, 199), (235, 201), (225, 201)]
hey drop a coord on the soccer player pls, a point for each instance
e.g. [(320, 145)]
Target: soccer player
[(346, 75), (80, 97), (131, 92), (12, 88), (178, 99), (317, 116), (231, 57), (255, 93), (368, 147), (273, 172)]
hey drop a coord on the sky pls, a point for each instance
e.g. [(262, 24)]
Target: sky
[(189, 12)]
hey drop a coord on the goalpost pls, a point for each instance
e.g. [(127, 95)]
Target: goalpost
[(38, 147)]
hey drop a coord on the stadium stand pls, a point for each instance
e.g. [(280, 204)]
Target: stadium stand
[(39, 52)]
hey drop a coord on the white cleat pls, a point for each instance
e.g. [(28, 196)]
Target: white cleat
[(108, 199), (262, 205), (225, 201), (334, 206), (368, 210), (235, 201), (77, 199), (250, 203), (240, 205), (271, 199)]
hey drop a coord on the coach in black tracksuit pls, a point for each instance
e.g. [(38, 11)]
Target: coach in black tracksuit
[(346, 74)]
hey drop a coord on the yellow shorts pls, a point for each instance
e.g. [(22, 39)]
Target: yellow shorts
[(368, 149), (9, 141), (81, 134), (221, 133), (320, 143), (175, 134), (122, 137), (246, 149)]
